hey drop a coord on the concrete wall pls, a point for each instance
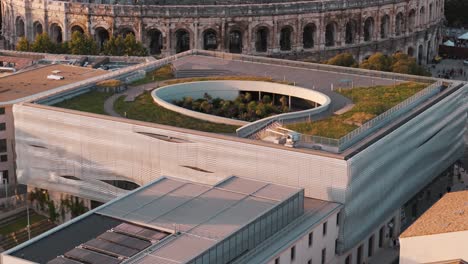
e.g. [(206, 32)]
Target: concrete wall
[(8, 134), (434, 248)]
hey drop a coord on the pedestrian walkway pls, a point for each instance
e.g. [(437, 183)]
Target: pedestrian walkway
[(130, 94)]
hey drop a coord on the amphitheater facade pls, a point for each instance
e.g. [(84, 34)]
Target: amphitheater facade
[(309, 29)]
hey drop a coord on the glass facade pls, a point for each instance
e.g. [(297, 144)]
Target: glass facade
[(254, 233)]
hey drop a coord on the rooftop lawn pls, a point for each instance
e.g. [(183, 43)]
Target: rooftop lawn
[(92, 102), (144, 109), (369, 103)]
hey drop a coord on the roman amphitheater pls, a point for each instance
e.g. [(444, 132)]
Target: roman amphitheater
[(307, 29)]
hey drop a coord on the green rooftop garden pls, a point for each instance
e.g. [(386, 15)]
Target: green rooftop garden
[(369, 103)]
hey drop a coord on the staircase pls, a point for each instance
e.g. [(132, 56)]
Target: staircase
[(13, 239), (261, 133), (191, 73)]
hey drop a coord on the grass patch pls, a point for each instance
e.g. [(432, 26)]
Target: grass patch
[(369, 103), (161, 74), (92, 102), (20, 224), (144, 109)]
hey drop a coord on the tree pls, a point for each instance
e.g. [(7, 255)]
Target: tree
[(343, 59), (378, 62), (43, 43), (82, 44), (266, 99), (134, 47), (284, 102), (23, 44), (115, 46), (402, 63)]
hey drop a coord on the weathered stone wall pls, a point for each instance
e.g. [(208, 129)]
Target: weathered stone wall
[(269, 29)]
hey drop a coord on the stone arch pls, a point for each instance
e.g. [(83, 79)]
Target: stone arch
[(411, 20), (286, 38), (410, 51), (420, 54), (350, 31), (19, 26), (330, 34), (422, 16), (182, 40), (262, 34), (368, 29), (235, 41), (154, 39), (309, 36), (101, 36), (428, 52), (77, 28), (210, 39), (124, 31), (37, 28), (56, 33), (385, 27), (399, 24)]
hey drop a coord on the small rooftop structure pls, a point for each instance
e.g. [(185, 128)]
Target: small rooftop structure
[(172, 221), (34, 81), (449, 214)]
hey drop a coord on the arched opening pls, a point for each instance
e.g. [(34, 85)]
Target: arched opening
[(420, 54), (368, 29), (309, 36), (101, 36), (429, 52), (286, 38), (155, 41), (77, 28), (399, 24), (422, 16), (19, 27), (37, 28), (410, 51), (235, 41), (261, 39), (125, 31), (430, 12), (411, 20), (385, 27), (350, 34), (56, 33), (210, 40), (330, 34), (182, 40)]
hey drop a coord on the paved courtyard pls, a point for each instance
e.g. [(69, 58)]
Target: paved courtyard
[(450, 69)]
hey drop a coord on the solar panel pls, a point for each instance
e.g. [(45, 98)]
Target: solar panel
[(110, 248), (91, 257), (62, 260), (139, 231), (125, 240)]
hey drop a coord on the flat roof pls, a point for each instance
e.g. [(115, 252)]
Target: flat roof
[(34, 81), (203, 214), (449, 214)]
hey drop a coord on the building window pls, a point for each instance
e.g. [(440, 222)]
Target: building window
[(371, 246), (381, 235), (277, 260), (3, 158), (3, 145), (338, 219), (2, 126), (359, 255), (348, 259), (2, 110), (325, 229), (336, 246), (324, 255), (5, 177), (293, 253), (311, 238)]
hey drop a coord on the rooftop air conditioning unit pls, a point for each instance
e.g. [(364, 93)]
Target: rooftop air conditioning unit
[(55, 77)]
